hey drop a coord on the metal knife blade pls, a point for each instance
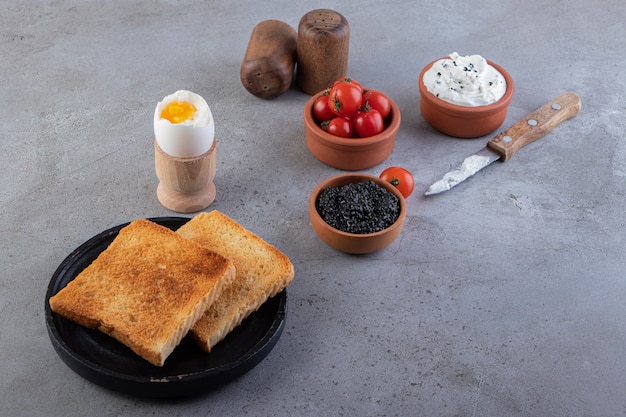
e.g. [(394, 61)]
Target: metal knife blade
[(470, 165), (502, 147)]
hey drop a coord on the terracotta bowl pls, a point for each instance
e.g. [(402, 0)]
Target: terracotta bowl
[(350, 154), (463, 121), (350, 242)]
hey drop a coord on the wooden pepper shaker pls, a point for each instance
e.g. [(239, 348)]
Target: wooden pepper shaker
[(323, 43), (268, 66)]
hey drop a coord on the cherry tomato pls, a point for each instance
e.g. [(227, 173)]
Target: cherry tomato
[(321, 110), (399, 178), (368, 123), (377, 100), (339, 126), (345, 99), (348, 80)]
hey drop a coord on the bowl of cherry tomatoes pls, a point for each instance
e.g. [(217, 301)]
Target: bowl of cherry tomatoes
[(350, 127)]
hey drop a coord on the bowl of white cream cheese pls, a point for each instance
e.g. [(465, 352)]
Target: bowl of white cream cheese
[(465, 96)]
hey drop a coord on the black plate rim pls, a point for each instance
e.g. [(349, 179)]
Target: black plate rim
[(170, 386)]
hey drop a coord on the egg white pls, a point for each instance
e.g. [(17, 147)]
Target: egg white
[(190, 138)]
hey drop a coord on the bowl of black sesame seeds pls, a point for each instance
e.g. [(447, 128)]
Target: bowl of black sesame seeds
[(357, 213)]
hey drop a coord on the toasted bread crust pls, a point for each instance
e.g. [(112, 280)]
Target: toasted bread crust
[(147, 289), (262, 271)]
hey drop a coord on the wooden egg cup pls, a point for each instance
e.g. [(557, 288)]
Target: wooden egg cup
[(185, 184)]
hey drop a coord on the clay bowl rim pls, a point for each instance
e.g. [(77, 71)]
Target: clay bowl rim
[(468, 111), (343, 179), (394, 118)]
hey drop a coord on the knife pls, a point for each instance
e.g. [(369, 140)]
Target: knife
[(504, 146)]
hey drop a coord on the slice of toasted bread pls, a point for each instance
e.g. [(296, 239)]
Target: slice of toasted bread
[(147, 289), (261, 272)]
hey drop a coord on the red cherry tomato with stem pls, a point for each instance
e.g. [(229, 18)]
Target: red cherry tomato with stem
[(321, 109), (399, 178), (377, 100), (339, 126), (348, 80), (368, 123), (345, 99)]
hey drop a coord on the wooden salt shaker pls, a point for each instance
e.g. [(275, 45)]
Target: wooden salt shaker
[(186, 184), (323, 43)]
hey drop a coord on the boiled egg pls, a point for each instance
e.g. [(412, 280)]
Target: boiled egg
[(183, 125)]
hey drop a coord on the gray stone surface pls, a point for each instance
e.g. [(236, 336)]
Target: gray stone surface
[(503, 297)]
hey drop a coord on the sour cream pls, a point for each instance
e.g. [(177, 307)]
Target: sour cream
[(466, 80)]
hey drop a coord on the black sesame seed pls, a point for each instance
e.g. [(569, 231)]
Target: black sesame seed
[(360, 208)]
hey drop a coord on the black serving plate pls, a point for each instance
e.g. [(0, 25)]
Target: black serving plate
[(187, 371)]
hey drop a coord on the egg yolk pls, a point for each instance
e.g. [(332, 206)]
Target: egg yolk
[(178, 111)]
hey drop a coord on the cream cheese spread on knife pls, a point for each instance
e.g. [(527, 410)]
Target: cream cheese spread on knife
[(470, 166)]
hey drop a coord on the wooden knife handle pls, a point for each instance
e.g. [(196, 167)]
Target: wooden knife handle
[(536, 125)]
